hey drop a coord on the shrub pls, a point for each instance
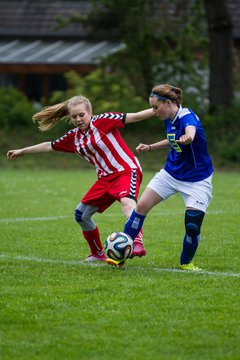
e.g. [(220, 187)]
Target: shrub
[(222, 131), (107, 91), (15, 109)]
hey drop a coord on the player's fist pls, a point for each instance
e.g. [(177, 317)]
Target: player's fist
[(13, 154), (184, 140), (142, 148)]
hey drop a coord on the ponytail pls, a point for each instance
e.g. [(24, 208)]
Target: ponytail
[(50, 116)]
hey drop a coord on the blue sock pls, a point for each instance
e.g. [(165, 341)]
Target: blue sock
[(190, 245), (134, 224), (193, 223)]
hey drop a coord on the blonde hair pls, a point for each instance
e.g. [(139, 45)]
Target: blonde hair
[(50, 116), (167, 91)]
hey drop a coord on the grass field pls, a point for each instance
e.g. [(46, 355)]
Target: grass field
[(52, 306)]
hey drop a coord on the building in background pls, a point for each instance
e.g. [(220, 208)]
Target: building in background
[(34, 53)]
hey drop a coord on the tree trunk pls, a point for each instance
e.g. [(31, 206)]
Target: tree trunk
[(220, 53)]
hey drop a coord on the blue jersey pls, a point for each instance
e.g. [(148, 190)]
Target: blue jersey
[(187, 162)]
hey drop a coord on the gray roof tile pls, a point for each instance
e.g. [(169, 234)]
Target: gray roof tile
[(37, 18)]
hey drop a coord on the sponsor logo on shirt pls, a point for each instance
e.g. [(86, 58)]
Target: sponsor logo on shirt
[(174, 145)]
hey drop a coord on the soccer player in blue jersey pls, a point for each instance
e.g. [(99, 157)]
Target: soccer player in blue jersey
[(188, 170)]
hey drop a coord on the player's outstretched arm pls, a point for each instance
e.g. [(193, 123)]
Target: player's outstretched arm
[(188, 137), (138, 116), (141, 148), (39, 148)]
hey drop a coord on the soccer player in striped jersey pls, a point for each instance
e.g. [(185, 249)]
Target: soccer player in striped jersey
[(188, 170), (97, 140)]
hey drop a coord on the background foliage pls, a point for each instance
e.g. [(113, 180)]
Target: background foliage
[(170, 51), (15, 109), (111, 91)]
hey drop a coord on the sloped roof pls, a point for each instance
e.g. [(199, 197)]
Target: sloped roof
[(37, 18), (40, 51), (28, 34)]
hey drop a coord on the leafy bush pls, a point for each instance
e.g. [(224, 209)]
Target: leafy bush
[(15, 109), (223, 136), (107, 91)]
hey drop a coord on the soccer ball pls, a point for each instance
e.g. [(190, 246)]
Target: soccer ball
[(118, 246)]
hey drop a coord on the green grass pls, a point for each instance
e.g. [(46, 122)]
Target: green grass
[(54, 307)]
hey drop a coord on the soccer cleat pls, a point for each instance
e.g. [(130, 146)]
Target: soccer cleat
[(138, 250), (119, 264), (94, 257), (190, 267)]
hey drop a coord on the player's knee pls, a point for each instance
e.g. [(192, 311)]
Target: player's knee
[(82, 216), (141, 208), (193, 222), (192, 230), (128, 205), (78, 216)]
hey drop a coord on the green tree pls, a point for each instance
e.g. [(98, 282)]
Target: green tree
[(162, 42), (220, 53), (15, 109), (106, 91), (158, 47)]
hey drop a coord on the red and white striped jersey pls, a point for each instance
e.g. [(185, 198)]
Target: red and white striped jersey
[(101, 145)]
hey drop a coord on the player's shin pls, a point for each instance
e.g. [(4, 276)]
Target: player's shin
[(94, 242), (193, 222), (134, 224), (90, 230)]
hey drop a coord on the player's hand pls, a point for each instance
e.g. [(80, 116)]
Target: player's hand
[(142, 148), (184, 140), (13, 154)]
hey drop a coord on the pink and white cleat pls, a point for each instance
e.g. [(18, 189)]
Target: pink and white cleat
[(138, 250), (95, 257)]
